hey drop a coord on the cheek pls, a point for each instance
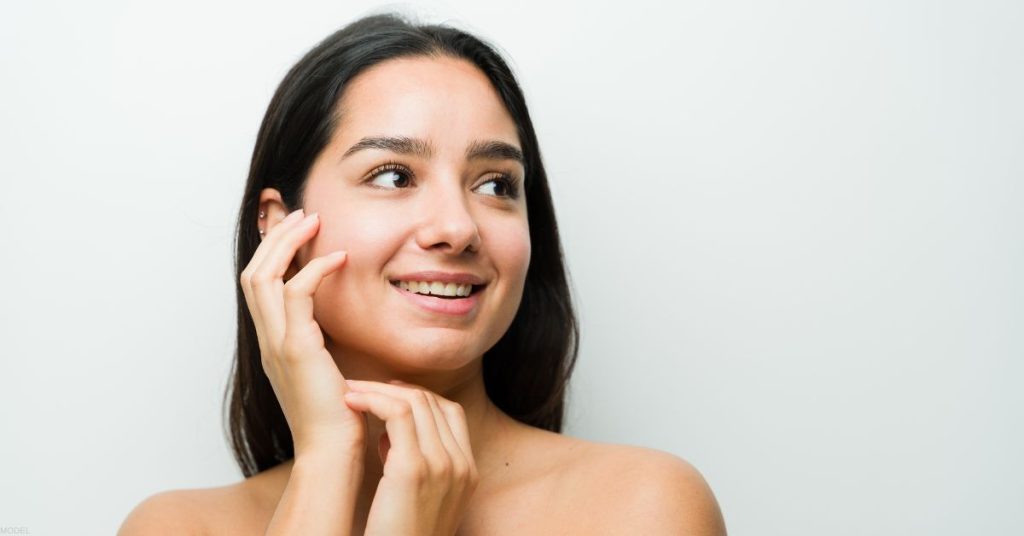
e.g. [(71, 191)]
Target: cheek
[(370, 242), (517, 248), (510, 250), (369, 237), (345, 229)]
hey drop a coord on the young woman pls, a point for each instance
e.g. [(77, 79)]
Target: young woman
[(406, 332)]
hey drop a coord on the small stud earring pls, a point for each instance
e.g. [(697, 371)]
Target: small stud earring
[(261, 231), (262, 214)]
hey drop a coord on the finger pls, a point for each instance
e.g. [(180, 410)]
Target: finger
[(445, 432), (450, 417), (299, 290), (286, 222), (397, 416), (456, 418), (254, 263), (282, 250), (267, 282), (429, 433), (398, 388), (454, 413), (426, 426)]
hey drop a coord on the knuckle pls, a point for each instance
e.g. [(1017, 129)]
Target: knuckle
[(417, 470), (403, 410), (455, 408), (442, 469), (460, 471)]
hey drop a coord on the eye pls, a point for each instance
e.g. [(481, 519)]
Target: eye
[(390, 176), (501, 186)]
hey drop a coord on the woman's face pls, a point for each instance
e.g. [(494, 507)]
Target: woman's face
[(427, 204)]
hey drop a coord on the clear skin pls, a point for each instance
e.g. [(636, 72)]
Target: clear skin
[(336, 335), (330, 326)]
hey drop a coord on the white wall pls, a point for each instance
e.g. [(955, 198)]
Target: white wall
[(794, 230)]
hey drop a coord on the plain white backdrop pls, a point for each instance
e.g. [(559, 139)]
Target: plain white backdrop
[(794, 231)]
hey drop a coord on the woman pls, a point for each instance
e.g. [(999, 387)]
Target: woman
[(406, 333)]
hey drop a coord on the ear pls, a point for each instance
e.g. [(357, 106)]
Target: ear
[(271, 211)]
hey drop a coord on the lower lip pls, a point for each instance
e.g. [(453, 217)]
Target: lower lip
[(457, 306)]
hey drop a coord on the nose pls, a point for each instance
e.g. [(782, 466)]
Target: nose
[(447, 223)]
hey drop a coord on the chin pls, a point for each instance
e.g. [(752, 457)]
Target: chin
[(416, 352), (436, 354)]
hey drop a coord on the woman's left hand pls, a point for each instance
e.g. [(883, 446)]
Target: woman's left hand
[(429, 471)]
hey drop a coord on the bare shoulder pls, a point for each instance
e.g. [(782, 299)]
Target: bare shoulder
[(646, 491), (192, 512), (167, 512)]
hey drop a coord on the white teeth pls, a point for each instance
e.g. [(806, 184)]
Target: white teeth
[(436, 288)]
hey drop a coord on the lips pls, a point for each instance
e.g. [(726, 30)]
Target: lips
[(472, 290), (456, 306)]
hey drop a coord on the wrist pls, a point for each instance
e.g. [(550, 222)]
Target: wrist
[(328, 446), (322, 491), (340, 456), (343, 467)]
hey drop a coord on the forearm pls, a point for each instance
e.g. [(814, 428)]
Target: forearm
[(320, 497)]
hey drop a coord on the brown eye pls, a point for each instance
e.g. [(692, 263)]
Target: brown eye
[(500, 186), (390, 177)]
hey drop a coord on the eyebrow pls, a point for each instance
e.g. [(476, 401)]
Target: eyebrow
[(480, 149)]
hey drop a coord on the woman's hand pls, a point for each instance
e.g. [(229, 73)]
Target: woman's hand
[(304, 376), (429, 470)]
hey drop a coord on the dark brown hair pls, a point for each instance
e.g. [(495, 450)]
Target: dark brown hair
[(526, 373)]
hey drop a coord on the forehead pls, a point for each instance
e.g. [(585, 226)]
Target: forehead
[(446, 100)]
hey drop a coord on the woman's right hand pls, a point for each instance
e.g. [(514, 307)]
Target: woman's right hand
[(303, 374)]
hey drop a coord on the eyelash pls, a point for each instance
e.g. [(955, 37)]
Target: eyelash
[(511, 183)]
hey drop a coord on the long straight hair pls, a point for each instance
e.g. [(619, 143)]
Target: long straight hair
[(526, 373)]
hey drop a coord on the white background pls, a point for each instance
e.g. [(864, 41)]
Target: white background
[(794, 231)]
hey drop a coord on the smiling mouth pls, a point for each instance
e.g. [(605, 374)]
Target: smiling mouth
[(445, 292)]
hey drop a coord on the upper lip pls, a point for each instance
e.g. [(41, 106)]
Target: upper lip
[(461, 278)]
